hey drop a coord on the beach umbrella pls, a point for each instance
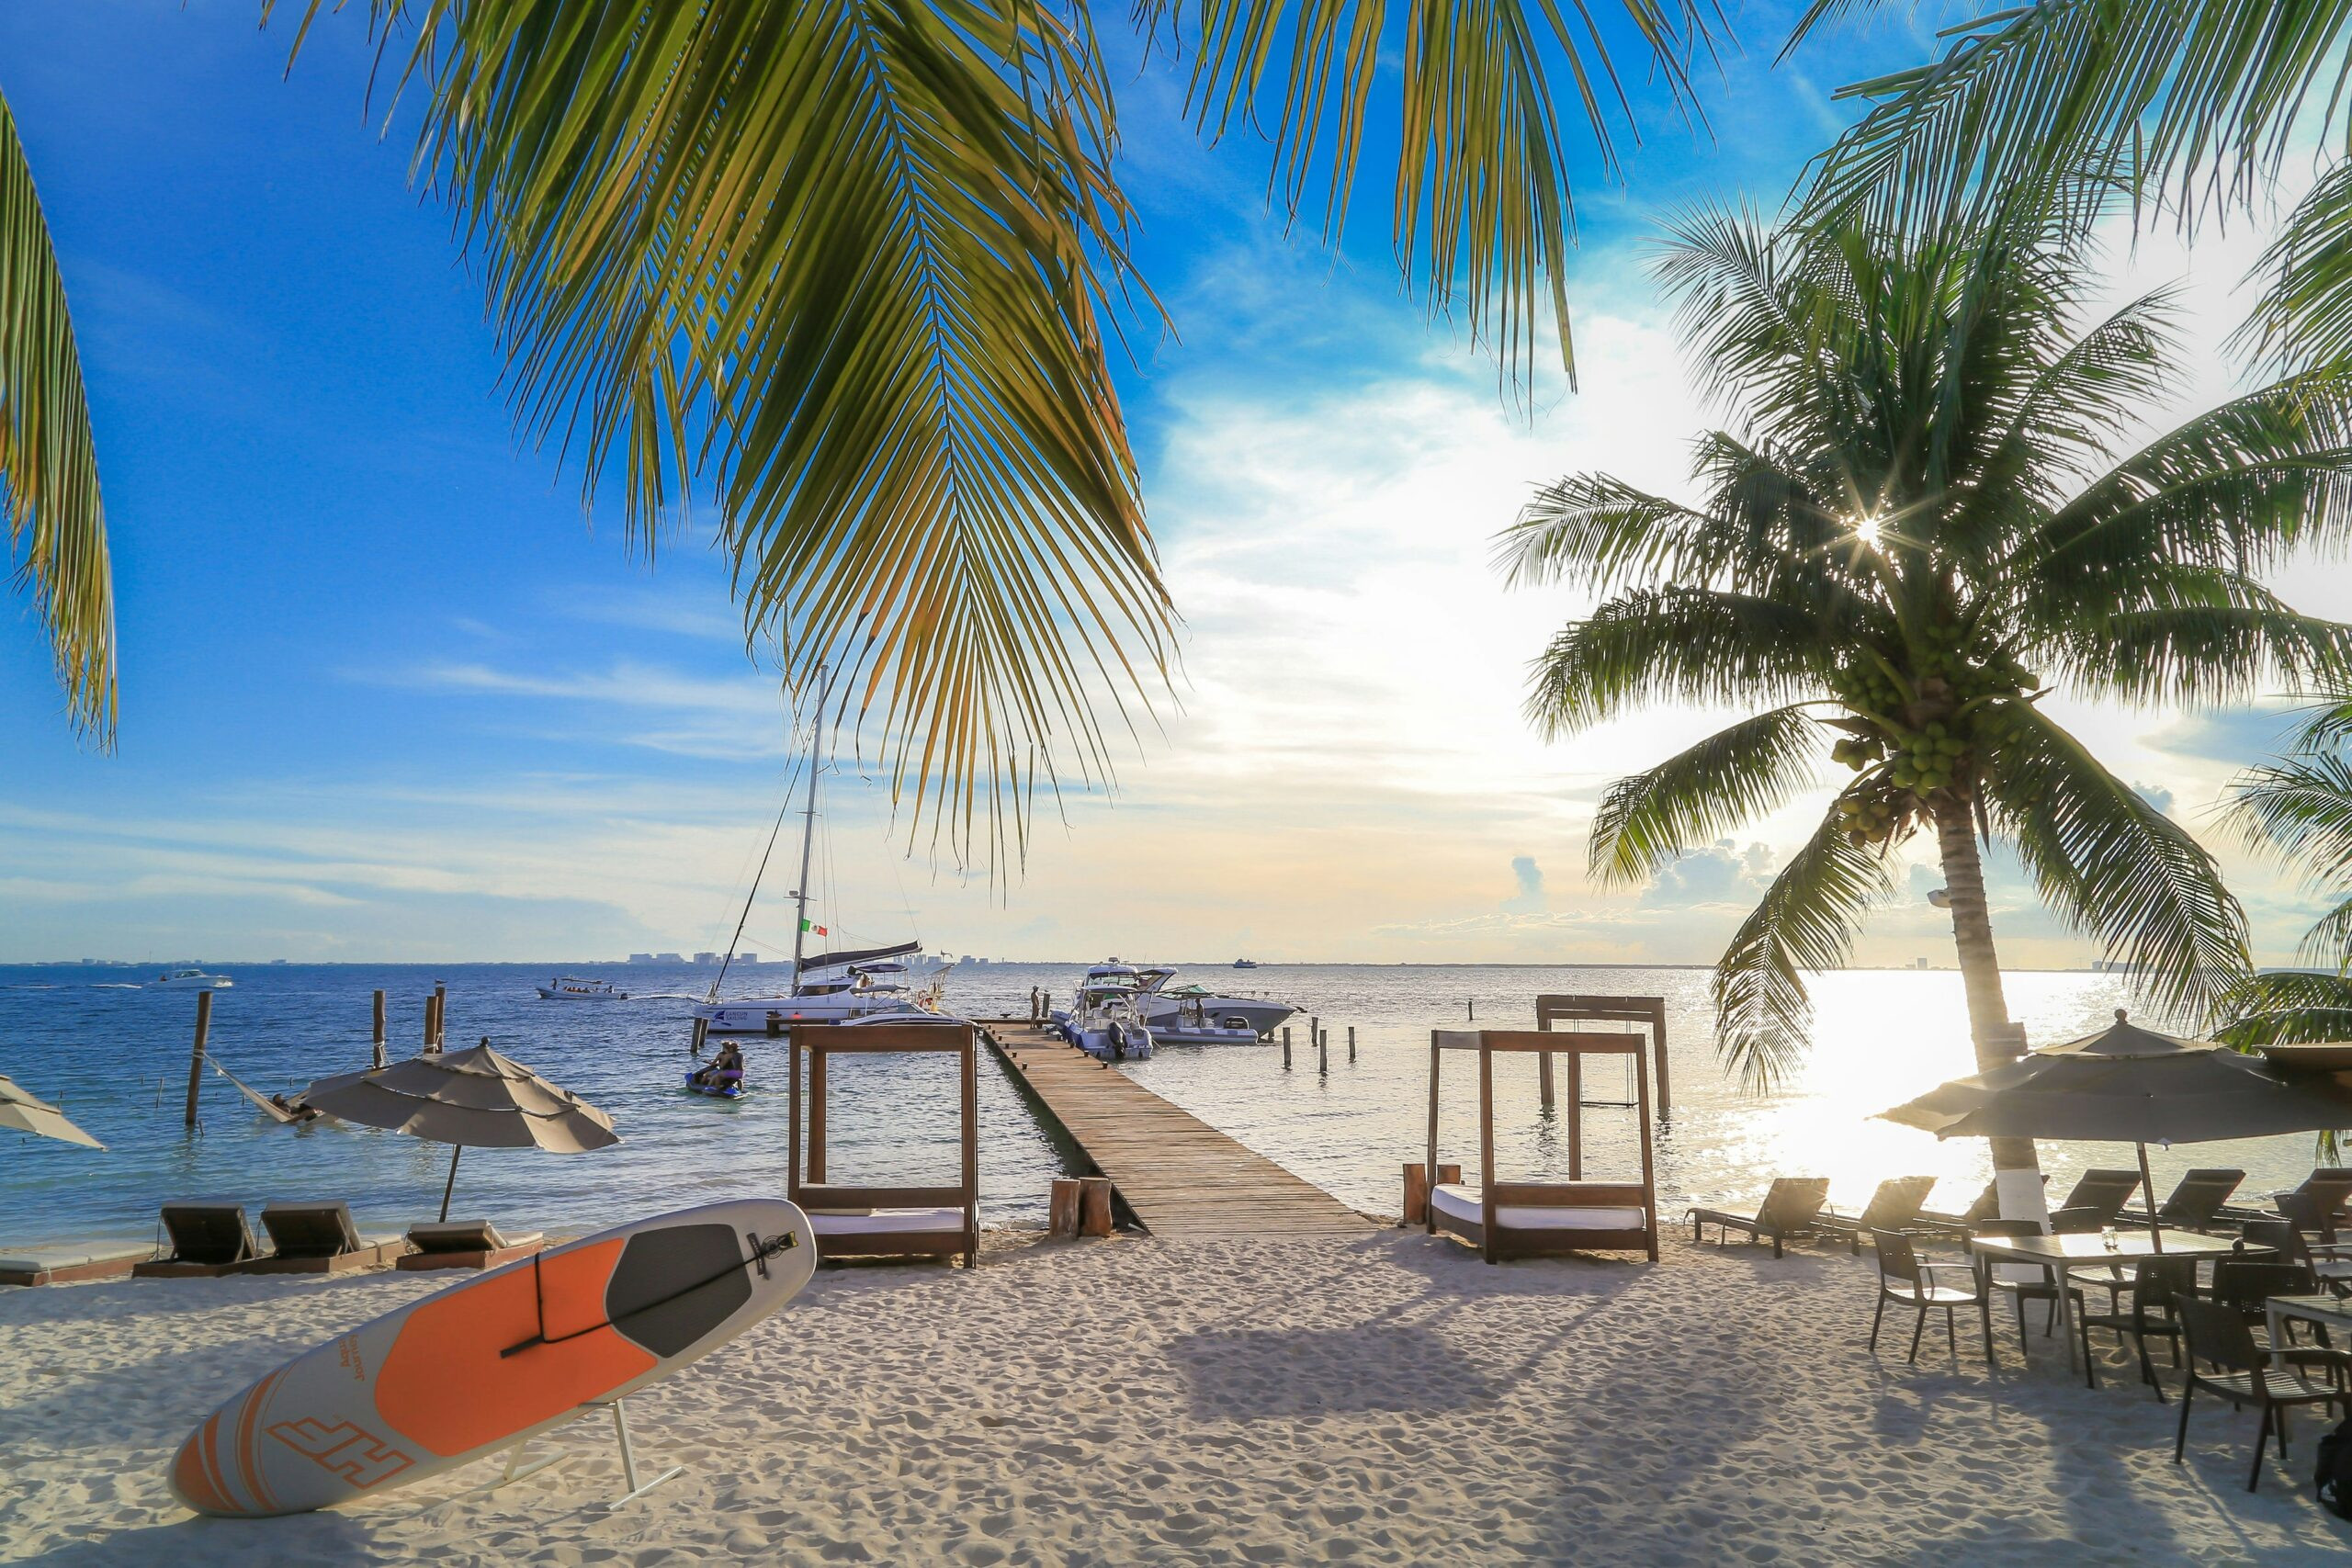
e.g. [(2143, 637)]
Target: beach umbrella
[(468, 1100), (30, 1113), (2129, 1084)]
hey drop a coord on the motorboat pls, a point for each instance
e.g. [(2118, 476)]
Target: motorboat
[(572, 988), (1162, 1006), (1245, 964), (1193, 1023), (1104, 1023), (189, 979)]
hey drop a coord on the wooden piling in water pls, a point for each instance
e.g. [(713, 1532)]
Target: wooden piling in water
[(196, 1057), (1472, 1004), (1285, 1047), (378, 1058), (1544, 1078), (1323, 1052), (1352, 1042), (440, 1015), (702, 1033)]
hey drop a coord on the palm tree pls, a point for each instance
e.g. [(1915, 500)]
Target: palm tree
[(2298, 808), (1917, 511), (855, 267), (49, 471)]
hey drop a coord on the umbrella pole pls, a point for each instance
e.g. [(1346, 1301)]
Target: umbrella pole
[(456, 1149), (2147, 1184)]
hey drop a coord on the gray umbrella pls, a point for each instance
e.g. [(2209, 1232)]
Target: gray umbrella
[(30, 1113), (2129, 1084), (474, 1099)]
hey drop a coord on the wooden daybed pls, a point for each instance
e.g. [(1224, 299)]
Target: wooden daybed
[(1529, 1219), (884, 1222)]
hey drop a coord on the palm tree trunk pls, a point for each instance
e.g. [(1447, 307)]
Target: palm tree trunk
[(2016, 1172)]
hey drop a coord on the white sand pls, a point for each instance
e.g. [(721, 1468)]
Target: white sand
[(1393, 1400)]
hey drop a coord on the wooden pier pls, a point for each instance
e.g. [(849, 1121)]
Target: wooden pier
[(1180, 1177)]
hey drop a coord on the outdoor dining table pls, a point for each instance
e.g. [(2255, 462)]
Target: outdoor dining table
[(2075, 1248), (2328, 1312)]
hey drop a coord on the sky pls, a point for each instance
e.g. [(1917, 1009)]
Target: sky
[(389, 695)]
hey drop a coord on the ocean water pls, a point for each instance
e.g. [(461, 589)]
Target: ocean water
[(116, 1056)]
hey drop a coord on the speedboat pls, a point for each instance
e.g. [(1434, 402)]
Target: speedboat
[(189, 979), (1193, 1023), (1105, 1024), (1245, 964), (1158, 1003), (569, 989)]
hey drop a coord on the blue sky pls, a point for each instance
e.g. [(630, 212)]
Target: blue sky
[(386, 692)]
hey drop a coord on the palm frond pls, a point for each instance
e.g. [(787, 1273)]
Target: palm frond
[(2198, 96), (2303, 319), (1805, 922), (845, 263), (1696, 795), (49, 465), (1598, 531), (1483, 206), (2114, 867), (2193, 636), (1683, 645), (2298, 808), (2288, 1007)]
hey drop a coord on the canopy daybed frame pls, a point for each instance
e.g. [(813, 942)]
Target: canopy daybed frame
[(884, 1222), (1529, 1219)]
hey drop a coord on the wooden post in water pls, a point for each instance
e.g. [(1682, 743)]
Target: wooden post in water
[(196, 1057), (377, 1060), (702, 1033), (440, 1015), (1471, 1003), (1285, 1047), (1544, 1078), (1352, 1042), (1323, 1052)]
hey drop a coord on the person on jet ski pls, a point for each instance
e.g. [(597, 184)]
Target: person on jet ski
[(726, 1069)]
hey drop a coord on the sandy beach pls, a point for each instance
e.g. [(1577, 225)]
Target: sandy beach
[(1387, 1400)]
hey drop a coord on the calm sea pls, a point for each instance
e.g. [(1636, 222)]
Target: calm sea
[(116, 1056)]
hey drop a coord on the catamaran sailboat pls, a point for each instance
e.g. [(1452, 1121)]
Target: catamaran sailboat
[(830, 988)]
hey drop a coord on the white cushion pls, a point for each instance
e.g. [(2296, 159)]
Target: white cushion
[(887, 1221), (1461, 1203)]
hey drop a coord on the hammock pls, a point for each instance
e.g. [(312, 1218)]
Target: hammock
[(270, 1107)]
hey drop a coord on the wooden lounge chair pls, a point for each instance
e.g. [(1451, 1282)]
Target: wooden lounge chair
[(1530, 1219), (884, 1222), (1907, 1282), (208, 1239), (2195, 1203), (1893, 1207), (318, 1238), (70, 1265), (464, 1244), (2217, 1338), (2330, 1185), (1790, 1206)]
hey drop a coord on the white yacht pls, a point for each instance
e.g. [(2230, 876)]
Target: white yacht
[(571, 989), (1193, 1023), (1160, 1003), (837, 988), (189, 979)]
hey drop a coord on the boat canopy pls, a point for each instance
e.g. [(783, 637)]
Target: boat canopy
[(861, 955)]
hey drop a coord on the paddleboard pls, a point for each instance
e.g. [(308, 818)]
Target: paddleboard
[(488, 1363)]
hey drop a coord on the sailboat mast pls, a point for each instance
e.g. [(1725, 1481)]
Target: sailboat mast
[(809, 829)]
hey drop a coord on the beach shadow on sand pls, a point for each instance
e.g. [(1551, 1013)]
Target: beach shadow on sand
[(1257, 1374), (324, 1537)]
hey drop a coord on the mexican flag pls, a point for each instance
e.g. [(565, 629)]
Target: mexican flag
[(806, 925)]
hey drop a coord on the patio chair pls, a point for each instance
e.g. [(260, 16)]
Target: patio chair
[(2196, 1202), (318, 1238), (2156, 1284), (1893, 1207), (1907, 1282), (208, 1239), (2325, 1267), (1791, 1207), (2027, 1282), (2244, 1374)]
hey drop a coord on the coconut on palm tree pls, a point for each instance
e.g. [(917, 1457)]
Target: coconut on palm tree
[(1915, 531)]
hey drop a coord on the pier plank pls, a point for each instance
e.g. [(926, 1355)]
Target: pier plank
[(1180, 1177)]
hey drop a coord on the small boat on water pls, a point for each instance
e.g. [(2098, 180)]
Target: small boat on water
[(1193, 1024), (839, 988), (1104, 1023), (189, 979), (1245, 964), (571, 989)]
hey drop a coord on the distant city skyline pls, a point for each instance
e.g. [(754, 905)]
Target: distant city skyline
[(385, 696)]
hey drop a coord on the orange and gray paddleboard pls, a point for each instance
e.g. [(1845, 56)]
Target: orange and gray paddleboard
[(486, 1364)]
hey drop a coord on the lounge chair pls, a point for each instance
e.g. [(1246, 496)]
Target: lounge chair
[(1907, 1282), (2104, 1190), (207, 1240), (1791, 1207), (1893, 1207), (70, 1265), (2331, 1185), (2246, 1375), (465, 1244), (318, 1238), (2197, 1200), (1942, 1222)]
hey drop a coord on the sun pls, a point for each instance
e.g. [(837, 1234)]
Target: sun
[(1868, 532)]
